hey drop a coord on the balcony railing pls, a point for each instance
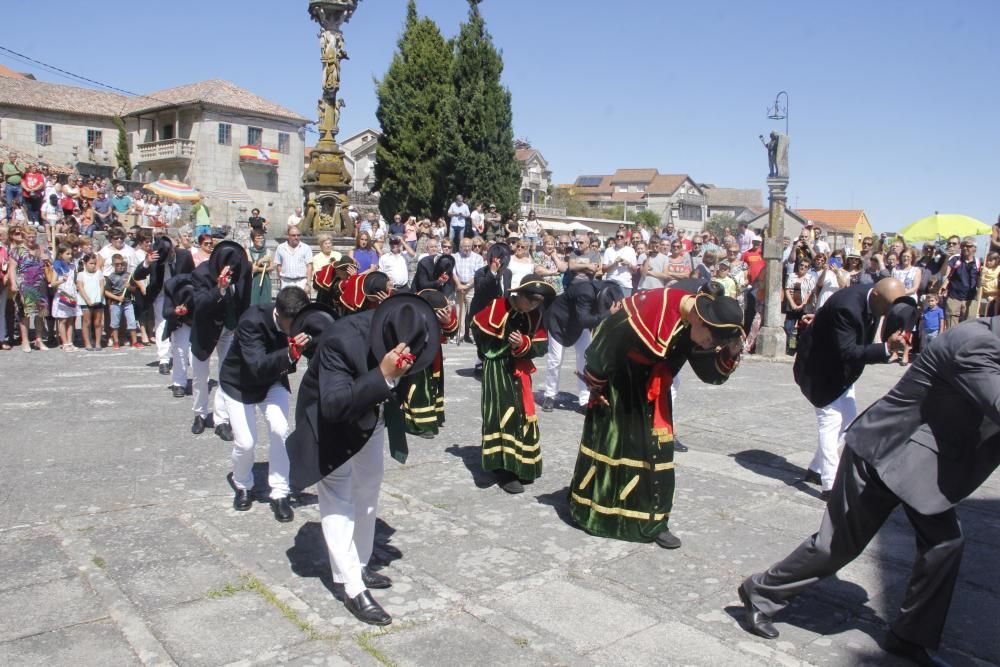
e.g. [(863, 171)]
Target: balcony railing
[(168, 149), (693, 200)]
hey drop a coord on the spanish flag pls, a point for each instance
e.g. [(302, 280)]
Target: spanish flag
[(258, 154)]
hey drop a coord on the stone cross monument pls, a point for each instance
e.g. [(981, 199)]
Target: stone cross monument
[(326, 180), (771, 339)]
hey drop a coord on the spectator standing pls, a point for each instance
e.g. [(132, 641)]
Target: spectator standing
[(30, 288), (65, 299), (459, 213), (494, 224), (152, 212), (478, 220), (6, 277), (798, 296), (654, 270), (932, 321), (393, 264), (521, 263), (118, 292), (257, 221), (363, 253), (12, 174), (116, 246), (120, 203), (826, 281), (410, 232), (532, 231), (103, 213), (723, 278), (262, 264), (439, 229), (90, 285), (619, 261), (293, 261), (33, 190), (368, 224), (201, 218), (549, 265), (679, 264), (295, 218), (961, 284), (744, 237), (467, 263), (988, 285), (397, 228), (170, 213), (204, 249)]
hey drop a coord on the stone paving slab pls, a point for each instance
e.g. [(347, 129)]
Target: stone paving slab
[(124, 549)]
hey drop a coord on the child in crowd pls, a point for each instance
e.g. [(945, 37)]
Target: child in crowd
[(932, 322), (988, 285), (119, 293), (723, 278), (90, 284), (65, 299)]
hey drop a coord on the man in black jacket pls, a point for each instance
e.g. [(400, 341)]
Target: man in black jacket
[(221, 295), (163, 263), (178, 310), (569, 321), (255, 375), (346, 402), (832, 353)]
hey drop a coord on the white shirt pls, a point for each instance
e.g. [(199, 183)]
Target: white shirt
[(477, 221), (394, 265), (171, 212), (745, 239), (291, 262), (827, 287), (620, 274), (294, 220), (458, 213), (108, 251)]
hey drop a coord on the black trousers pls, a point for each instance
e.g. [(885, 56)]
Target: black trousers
[(859, 504)]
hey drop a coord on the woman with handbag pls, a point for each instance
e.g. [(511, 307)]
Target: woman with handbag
[(64, 304), (798, 290), (31, 299)]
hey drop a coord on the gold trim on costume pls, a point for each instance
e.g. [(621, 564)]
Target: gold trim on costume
[(510, 438), (420, 410), (506, 416), (628, 488), (620, 511), (423, 420), (586, 478), (632, 463), (512, 452), (409, 394)]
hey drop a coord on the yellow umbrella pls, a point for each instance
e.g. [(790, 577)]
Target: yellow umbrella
[(944, 225)]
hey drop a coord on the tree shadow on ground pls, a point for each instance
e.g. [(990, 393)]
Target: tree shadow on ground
[(472, 457), (777, 467), (309, 558)]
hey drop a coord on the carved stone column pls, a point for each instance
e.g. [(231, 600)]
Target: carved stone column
[(771, 339)]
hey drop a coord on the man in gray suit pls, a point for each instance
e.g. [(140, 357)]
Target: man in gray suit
[(928, 443)]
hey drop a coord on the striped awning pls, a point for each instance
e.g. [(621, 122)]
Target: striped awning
[(232, 196)]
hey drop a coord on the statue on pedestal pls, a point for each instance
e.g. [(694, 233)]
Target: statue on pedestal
[(777, 155)]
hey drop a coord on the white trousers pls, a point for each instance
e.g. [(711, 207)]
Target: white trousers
[(301, 282), (163, 347), (832, 421), (348, 501), (180, 350), (243, 420), (199, 385), (553, 361)]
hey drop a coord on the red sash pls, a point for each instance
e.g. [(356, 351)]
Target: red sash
[(658, 393), (523, 368)]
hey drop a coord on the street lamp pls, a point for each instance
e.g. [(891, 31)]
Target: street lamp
[(778, 112)]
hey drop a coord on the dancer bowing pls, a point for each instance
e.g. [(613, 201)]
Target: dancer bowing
[(509, 333), (623, 483), (363, 291), (178, 313), (346, 402), (423, 392)]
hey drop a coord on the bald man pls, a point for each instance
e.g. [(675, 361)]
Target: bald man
[(833, 352)]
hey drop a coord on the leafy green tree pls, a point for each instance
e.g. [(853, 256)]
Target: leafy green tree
[(479, 138), (410, 174), (647, 219), (719, 221), (121, 150)]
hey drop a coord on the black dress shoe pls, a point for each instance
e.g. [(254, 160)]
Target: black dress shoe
[(282, 510), (668, 540), (198, 427), (224, 431), (679, 446), (374, 579), (242, 500), (811, 477), (366, 610), (509, 482), (548, 404), (164, 369), (757, 622), (920, 655), (178, 391)]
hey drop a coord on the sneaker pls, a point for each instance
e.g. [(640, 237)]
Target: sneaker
[(137, 346), (117, 346)]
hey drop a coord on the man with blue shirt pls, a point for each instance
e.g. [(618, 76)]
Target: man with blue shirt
[(458, 212)]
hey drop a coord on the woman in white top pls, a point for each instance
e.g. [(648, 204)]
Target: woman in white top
[(521, 263), (532, 230), (151, 212), (908, 274), (826, 281), (440, 229)]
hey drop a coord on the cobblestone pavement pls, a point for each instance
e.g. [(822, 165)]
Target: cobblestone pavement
[(118, 543)]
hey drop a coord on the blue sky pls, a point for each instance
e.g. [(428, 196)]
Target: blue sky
[(894, 104)]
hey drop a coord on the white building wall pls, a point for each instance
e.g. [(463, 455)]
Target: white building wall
[(17, 130)]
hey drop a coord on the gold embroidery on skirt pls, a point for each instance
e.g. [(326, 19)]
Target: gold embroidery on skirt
[(506, 416), (628, 488), (589, 476)]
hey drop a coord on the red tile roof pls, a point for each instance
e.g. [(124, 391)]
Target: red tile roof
[(840, 220), (666, 184), (6, 71)]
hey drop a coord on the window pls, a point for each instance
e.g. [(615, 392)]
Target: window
[(43, 135), (225, 134), (167, 133), (95, 140), (284, 143), (689, 212), (255, 136)]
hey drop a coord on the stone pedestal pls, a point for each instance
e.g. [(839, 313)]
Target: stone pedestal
[(771, 339)]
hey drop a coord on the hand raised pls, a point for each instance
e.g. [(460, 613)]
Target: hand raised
[(396, 362)]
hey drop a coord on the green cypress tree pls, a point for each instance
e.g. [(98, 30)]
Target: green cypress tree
[(479, 135), (412, 97), (121, 150)]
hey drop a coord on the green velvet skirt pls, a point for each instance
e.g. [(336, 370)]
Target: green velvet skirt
[(510, 437), (623, 482), (423, 402)]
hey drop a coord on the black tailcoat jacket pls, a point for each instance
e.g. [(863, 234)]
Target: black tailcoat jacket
[(182, 263), (210, 309), (176, 292), (257, 358), (338, 402), (836, 347), (574, 311)]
